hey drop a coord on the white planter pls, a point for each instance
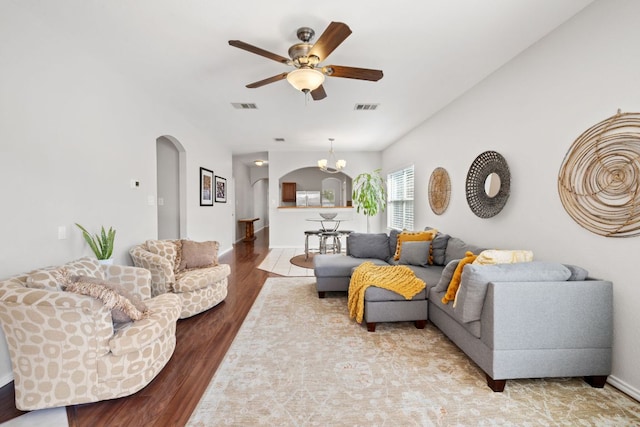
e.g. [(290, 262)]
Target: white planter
[(106, 261)]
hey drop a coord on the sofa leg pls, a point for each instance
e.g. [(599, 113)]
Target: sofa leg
[(320, 294), (596, 381), (371, 327), (496, 385), (420, 324)]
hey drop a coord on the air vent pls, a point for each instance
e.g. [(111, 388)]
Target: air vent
[(366, 107), (278, 139), (244, 106)]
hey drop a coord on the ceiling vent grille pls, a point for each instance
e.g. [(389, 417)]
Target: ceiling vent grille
[(278, 139), (366, 107), (244, 106)]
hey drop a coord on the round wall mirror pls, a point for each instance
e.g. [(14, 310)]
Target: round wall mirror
[(492, 184), (488, 183)]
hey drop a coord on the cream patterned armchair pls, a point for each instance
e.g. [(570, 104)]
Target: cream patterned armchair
[(64, 347), (186, 268)]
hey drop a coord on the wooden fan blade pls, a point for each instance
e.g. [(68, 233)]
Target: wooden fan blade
[(335, 34), (249, 48), (352, 72), (267, 81), (318, 93)]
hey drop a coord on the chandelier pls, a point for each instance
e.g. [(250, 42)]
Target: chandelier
[(323, 164)]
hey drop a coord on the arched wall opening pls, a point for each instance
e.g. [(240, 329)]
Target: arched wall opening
[(171, 203), (317, 188)]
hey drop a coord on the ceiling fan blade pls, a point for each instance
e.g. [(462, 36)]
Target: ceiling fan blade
[(267, 81), (318, 93), (335, 34), (250, 48), (352, 72)]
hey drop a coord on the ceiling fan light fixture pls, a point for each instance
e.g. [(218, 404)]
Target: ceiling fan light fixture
[(305, 79)]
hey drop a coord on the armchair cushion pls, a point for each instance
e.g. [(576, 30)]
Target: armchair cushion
[(187, 281)]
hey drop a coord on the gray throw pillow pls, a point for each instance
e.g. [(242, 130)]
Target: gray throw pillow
[(457, 248), (415, 253), (446, 276), (393, 241), (439, 247), (476, 278), (577, 273), (368, 245)]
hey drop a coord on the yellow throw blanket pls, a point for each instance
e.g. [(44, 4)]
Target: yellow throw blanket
[(397, 278)]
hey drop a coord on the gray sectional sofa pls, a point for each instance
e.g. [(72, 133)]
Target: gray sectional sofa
[(523, 320)]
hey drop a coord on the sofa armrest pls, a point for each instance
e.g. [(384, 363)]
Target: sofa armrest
[(162, 275), (548, 315), (134, 279)]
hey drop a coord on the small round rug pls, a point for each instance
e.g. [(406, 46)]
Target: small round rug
[(299, 261)]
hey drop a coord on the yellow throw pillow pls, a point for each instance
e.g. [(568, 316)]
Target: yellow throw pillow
[(496, 256), (469, 257), (413, 236)]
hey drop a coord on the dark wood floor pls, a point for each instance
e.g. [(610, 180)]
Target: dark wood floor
[(202, 342)]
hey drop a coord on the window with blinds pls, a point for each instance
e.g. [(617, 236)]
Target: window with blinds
[(400, 199)]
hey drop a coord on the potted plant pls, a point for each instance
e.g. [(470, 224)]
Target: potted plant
[(369, 194), (101, 244)]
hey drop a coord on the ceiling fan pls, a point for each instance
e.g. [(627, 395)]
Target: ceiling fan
[(309, 75)]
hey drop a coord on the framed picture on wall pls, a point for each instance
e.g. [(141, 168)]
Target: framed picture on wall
[(221, 189), (206, 187)]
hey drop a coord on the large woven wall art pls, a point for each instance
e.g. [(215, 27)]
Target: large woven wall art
[(487, 167), (439, 190), (599, 180)]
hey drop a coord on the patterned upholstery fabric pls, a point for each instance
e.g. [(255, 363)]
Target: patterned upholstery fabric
[(45, 278), (63, 347), (199, 289)]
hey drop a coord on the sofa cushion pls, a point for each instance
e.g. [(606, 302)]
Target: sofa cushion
[(476, 278), (415, 253), (47, 278), (368, 245), (198, 254), (191, 280), (454, 284), (456, 248), (413, 236), (374, 293), (124, 306), (429, 275), (438, 248), (334, 265)]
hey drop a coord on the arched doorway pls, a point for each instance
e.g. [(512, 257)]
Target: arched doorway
[(171, 188)]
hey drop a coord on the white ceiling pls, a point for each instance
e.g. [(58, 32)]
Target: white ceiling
[(431, 51)]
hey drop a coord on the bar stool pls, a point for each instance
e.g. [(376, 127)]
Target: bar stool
[(343, 233), (334, 246), (308, 233)]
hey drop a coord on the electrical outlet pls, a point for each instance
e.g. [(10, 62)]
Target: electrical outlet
[(135, 183), (62, 232)]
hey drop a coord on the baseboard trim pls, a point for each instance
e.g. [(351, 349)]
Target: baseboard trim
[(624, 387)]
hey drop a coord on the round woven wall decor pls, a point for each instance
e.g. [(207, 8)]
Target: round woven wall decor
[(599, 180), (439, 190), (479, 201)]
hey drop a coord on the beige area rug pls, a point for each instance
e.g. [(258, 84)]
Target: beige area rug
[(300, 361)]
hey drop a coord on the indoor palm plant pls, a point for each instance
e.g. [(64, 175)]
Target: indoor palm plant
[(369, 194), (101, 244)]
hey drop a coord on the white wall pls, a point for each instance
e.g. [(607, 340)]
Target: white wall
[(287, 226), (531, 111), (73, 133)]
